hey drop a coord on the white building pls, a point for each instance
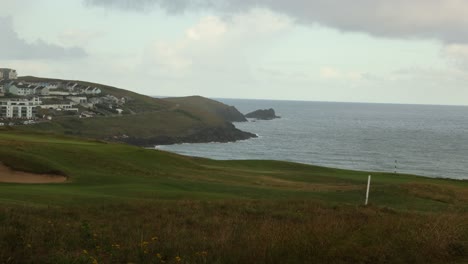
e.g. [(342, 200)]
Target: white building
[(41, 90), (20, 89), (78, 99), (91, 90), (52, 86), (8, 74), (65, 106), (48, 85), (19, 108), (61, 93), (23, 89)]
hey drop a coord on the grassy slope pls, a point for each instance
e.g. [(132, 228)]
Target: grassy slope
[(143, 125), (116, 171), (204, 106), (127, 204)]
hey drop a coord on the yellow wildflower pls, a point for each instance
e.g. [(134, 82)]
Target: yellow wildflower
[(144, 244)]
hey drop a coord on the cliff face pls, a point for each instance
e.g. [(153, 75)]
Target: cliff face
[(265, 114)]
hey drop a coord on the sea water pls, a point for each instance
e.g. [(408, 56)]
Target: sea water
[(415, 139)]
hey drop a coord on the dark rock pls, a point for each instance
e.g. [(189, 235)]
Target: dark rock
[(263, 114), (227, 133)]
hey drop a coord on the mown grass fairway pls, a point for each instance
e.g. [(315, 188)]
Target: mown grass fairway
[(127, 204)]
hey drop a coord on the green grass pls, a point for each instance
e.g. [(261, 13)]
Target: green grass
[(143, 125), (206, 211), (117, 171)]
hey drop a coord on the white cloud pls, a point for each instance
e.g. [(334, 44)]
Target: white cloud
[(168, 58), (80, 37), (210, 27), (217, 46), (332, 73), (12, 47), (457, 50)]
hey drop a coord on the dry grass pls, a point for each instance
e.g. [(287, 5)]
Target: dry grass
[(440, 192), (229, 232)]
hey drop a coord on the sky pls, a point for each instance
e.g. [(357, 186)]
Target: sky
[(380, 51)]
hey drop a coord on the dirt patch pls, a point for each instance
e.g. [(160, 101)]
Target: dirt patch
[(11, 176)]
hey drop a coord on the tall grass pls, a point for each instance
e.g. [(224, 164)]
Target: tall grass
[(240, 231)]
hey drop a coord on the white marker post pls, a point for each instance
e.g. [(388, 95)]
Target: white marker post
[(368, 187)]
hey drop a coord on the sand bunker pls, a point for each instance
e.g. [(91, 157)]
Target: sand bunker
[(12, 176)]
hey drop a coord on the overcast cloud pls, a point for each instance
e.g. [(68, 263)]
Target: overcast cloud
[(434, 19), (393, 51), (12, 47)]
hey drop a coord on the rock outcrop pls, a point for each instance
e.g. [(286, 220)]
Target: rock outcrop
[(228, 133), (263, 114)]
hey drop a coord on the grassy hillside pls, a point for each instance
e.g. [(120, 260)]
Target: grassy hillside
[(152, 121), (204, 106), (127, 204)]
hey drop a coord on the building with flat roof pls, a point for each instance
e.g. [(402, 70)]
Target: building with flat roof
[(19, 108), (8, 74)]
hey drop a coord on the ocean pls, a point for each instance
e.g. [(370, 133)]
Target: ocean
[(424, 140)]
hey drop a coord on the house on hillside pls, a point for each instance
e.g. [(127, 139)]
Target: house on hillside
[(20, 89), (71, 87), (8, 74), (95, 100), (87, 114), (92, 90), (78, 99), (3, 88), (23, 89), (52, 86), (65, 105), (41, 90), (61, 93), (49, 85)]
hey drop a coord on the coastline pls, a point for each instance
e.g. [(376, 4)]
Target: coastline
[(206, 135)]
